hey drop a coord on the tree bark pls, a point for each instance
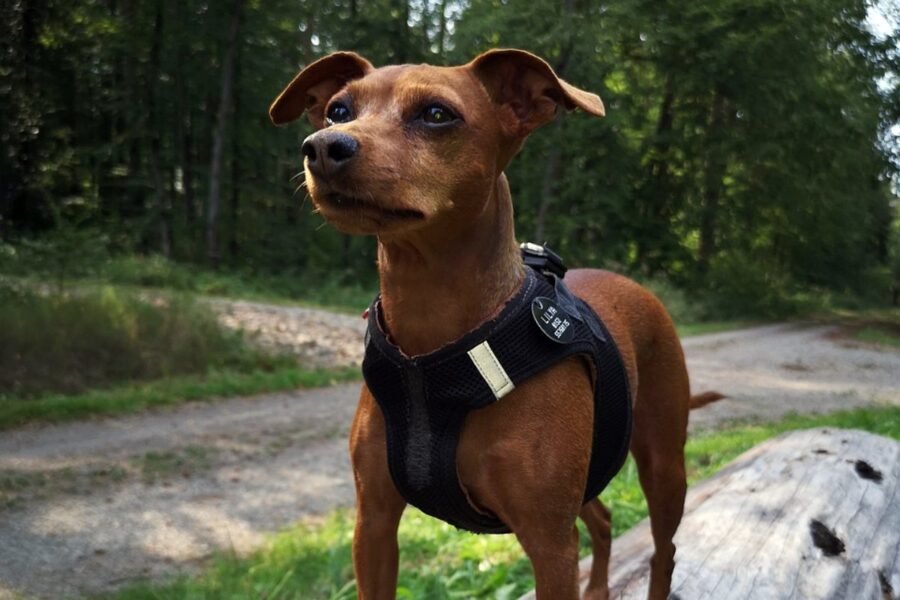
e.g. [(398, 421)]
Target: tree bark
[(442, 28), (234, 205), (548, 184), (161, 205), (133, 125), (218, 144), (808, 514), (653, 212), (553, 165), (426, 43), (401, 49), (183, 133), (712, 185)]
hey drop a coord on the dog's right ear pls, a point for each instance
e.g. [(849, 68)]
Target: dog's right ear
[(528, 91), (314, 85)]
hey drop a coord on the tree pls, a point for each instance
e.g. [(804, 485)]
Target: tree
[(226, 101)]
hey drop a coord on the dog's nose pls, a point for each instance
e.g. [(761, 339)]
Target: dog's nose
[(327, 151)]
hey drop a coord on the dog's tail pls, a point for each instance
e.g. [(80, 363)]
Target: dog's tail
[(698, 400)]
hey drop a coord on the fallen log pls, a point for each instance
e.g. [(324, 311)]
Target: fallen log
[(810, 514)]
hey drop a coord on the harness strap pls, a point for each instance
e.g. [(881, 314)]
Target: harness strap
[(425, 399)]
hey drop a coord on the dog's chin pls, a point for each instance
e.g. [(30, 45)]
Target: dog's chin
[(360, 216)]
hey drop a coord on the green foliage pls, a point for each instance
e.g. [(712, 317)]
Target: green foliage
[(336, 290), (134, 397), (738, 156), (702, 328), (312, 560), (71, 343), (883, 334), (746, 153)]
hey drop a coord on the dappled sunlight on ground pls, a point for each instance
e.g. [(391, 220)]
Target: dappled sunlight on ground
[(770, 371), (101, 503)]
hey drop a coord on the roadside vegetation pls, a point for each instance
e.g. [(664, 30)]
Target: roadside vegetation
[(107, 335), (72, 343), (312, 560), (133, 397), (107, 351), (71, 261), (885, 334)]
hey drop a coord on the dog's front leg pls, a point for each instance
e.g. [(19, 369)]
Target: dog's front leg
[(378, 505), (554, 556), (375, 551)]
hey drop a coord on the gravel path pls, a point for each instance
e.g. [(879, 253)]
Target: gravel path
[(90, 506), (317, 337)]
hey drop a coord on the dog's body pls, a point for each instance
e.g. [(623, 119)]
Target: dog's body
[(415, 155)]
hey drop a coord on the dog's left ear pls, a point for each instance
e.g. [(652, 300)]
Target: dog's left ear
[(314, 85), (528, 90)]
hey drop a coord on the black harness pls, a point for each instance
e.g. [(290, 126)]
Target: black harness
[(425, 399)]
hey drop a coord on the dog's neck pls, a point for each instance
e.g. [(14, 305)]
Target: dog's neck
[(435, 288)]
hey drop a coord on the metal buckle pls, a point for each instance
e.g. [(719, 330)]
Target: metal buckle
[(543, 259)]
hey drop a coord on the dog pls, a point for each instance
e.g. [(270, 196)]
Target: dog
[(414, 155)]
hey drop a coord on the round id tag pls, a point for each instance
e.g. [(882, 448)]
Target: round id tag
[(553, 321)]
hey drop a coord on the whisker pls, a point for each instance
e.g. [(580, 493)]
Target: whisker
[(297, 175)]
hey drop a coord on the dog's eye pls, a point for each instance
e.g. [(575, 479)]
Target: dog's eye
[(337, 113), (437, 114)]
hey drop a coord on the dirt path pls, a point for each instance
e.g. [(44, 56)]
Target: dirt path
[(90, 506), (317, 337)]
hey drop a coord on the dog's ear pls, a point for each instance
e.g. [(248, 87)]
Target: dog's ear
[(528, 90), (314, 85)]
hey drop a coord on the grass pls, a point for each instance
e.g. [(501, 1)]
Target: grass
[(133, 397), (880, 334), (73, 343), (155, 465), (312, 560), (107, 352), (333, 290), (701, 328), (880, 326)]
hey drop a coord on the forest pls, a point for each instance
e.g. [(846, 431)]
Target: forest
[(180, 341), (749, 155)]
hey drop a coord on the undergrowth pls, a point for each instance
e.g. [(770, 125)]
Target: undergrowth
[(71, 343)]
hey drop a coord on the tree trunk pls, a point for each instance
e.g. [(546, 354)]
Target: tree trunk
[(161, 205), (218, 144), (133, 125), (808, 514), (652, 210), (442, 29), (401, 49), (552, 168), (234, 205), (426, 43), (183, 133), (712, 187), (553, 164)]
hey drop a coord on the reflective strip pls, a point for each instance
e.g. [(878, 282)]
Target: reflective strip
[(491, 370)]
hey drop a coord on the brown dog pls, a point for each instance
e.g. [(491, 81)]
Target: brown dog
[(414, 155)]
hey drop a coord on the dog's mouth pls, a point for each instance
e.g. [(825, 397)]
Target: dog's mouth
[(342, 202)]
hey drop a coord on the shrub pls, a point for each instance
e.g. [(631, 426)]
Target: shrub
[(69, 343), (149, 271)]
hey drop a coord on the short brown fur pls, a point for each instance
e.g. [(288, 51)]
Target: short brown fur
[(438, 202)]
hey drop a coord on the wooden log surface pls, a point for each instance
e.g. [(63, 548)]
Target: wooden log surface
[(811, 514)]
